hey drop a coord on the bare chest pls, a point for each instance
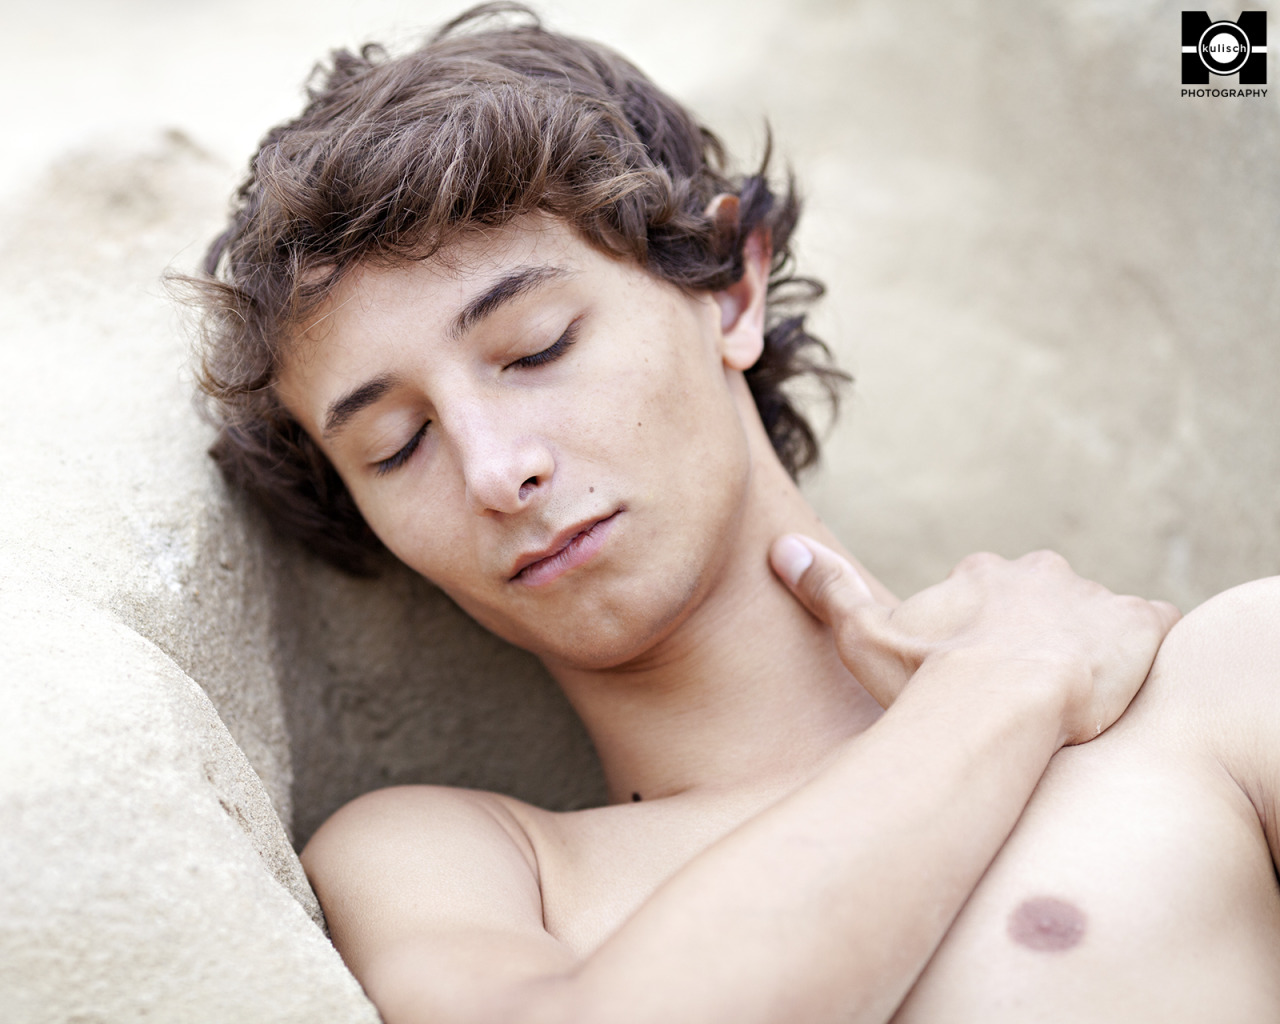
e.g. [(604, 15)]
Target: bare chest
[(597, 867), (1136, 886)]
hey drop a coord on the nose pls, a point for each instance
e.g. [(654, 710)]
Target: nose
[(504, 467)]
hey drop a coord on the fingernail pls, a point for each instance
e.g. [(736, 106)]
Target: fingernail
[(791, 559)]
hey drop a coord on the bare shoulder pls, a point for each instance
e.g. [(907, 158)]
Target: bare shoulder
[(403, 822), (424, 886), (1224, 657), (1249, 611), (1216, 684)]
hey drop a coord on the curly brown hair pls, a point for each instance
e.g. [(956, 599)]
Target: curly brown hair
[(394, 157)]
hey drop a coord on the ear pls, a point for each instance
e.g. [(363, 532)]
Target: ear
[(742, 303)]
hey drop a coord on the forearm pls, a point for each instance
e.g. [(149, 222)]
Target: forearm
[(827, 905)]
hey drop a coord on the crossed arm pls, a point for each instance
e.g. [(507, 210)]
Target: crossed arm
[(827, 905)]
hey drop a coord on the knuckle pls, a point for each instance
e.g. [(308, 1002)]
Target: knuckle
[(1045, 559), (824, 585), (848, 636), (978, 562), (1139, 608), (1170, 613)]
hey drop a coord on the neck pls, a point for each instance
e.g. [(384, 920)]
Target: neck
[(746, 691)]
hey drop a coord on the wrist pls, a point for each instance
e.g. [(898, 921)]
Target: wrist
[(1037, 688)]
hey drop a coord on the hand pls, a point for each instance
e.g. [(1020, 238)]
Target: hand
[(1034, 610)]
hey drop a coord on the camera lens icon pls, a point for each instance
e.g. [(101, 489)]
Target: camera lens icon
[(1224, 48)]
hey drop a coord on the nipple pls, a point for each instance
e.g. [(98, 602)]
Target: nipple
[(1046, 924)]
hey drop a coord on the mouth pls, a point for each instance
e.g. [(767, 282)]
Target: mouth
[(571, 548)]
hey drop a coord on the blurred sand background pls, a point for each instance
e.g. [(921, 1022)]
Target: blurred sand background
[(1054, 278)]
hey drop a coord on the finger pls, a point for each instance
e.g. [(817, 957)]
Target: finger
[(1169, 614), (824, 582)]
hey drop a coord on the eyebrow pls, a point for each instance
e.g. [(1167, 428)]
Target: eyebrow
[(355, 400), (503, 291), (517, 283)]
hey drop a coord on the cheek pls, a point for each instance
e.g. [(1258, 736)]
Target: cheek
[(418, 522), (685, 452), (660, 399)]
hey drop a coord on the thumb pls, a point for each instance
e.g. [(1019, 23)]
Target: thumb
[(823, 581)]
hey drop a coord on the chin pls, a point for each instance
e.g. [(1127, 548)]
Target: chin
[(612, 628)]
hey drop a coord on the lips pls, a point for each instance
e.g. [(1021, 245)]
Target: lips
[(571, 548)]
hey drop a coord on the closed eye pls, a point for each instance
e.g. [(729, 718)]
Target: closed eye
[(549, 354), (397, 460), (553, 351)]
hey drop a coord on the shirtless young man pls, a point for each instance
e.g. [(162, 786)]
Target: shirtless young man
[(498, 297)]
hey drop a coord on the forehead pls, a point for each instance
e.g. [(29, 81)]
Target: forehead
[(451, 277), (379, 315)]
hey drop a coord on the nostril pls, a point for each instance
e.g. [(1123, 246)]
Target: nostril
[(528, 486)]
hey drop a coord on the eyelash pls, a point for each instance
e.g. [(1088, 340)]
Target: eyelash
[(402, 456), (553, 352), (547, 355)]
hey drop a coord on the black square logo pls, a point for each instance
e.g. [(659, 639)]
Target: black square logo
[(1224, 48)]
